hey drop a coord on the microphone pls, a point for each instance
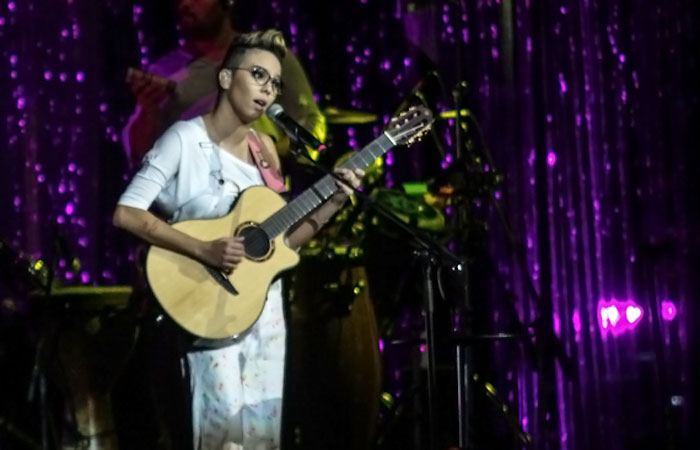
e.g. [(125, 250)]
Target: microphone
[(295, 131)]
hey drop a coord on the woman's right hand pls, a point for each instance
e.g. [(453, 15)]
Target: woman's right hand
[(224, 253)]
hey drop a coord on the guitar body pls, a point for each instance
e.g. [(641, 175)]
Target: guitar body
[(215, 306), (199, 298)]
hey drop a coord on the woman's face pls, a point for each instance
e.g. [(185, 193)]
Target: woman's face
[(254, 84)]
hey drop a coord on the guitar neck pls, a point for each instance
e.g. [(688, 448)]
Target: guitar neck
[(323, 189)]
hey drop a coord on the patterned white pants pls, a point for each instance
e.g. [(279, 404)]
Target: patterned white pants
[(237, 390)]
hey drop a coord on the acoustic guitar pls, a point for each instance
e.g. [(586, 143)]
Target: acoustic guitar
[(214, 305)]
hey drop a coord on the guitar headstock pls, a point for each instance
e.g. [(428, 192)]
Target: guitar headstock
[(410, 125)]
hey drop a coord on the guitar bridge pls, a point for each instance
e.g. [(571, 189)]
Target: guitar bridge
[(223, 281)]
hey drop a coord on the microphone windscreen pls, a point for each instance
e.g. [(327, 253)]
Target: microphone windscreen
[(274, 110)]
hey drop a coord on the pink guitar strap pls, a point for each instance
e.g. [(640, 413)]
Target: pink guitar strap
[(273, 179)]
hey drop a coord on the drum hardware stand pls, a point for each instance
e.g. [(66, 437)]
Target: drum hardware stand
[(47, 337), (431, 253), (548, 344), (543, 328), (19, 435)]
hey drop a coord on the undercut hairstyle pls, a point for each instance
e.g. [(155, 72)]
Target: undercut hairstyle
[(270, 40)]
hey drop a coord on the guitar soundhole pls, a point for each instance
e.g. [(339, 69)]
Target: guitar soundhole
[(257, 244)]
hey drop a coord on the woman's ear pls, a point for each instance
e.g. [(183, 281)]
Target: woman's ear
[(225, 78)]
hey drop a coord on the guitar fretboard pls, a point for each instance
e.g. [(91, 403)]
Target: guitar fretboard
[(322, 190)]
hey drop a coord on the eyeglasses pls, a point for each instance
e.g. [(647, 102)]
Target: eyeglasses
[(261, 77)]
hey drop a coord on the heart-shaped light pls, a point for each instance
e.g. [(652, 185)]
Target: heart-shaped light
[(633, 314)]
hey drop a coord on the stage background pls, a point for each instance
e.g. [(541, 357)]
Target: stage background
[(587, 107)]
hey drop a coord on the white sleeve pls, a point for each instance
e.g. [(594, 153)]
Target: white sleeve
[(160, 165)]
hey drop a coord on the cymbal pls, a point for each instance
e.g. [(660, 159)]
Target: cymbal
[(451, 114), (410, 209), (347, 116)]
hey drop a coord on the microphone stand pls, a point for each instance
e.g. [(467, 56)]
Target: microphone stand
[(432, 255)]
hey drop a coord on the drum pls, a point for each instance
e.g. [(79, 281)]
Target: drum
[(334, 366), (93, 339)]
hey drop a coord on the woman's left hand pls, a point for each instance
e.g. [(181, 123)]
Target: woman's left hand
[(352, 177)]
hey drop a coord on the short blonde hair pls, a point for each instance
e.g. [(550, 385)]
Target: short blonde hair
[(270, 40)]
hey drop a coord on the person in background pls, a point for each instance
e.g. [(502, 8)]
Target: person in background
[(182, 84)]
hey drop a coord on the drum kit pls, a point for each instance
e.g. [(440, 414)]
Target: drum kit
[(350, 340), (350, 299)]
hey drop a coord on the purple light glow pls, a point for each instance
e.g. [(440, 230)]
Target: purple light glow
[(668, 310), (381, 345), (551, 158), (563, 86), (618, 317), (576, 320), (70, 208), (389, 160)]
